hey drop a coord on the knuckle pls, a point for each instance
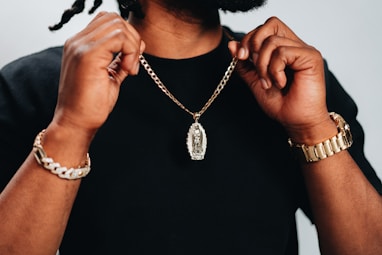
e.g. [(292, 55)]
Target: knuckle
[(272, 20), (272, 40), (76, 50), (119, 33), (79, 52), (278, 27), (69, 46), (318, 57), (101, 13), (74, 46), (117, 21), (111, 15), (69, 42), (255, 42), (316, 52), (281, 51)]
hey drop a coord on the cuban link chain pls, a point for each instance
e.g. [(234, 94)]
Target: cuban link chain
[(196, 137)]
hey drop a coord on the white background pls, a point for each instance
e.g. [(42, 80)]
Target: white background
[(348, 34)]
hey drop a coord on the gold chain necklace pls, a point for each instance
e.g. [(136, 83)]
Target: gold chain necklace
[(196, 137)]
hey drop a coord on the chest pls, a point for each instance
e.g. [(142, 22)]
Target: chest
[(144, 182)]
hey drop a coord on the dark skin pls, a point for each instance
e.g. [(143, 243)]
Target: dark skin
[(36, 205)]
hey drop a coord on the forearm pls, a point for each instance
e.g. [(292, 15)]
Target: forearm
[(36, 204), (347, 209)]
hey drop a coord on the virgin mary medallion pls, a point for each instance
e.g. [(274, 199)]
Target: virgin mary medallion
[(197, 141)]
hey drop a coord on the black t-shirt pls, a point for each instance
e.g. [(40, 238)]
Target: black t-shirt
[(144, 194)]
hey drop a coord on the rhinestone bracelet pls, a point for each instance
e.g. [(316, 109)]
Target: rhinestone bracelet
[(54, 167)]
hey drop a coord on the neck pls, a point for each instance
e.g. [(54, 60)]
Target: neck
[(176, 35)]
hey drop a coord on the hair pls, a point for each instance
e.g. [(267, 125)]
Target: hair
[(125, 7), (132, 6)]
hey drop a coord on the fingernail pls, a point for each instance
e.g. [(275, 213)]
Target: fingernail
[(137, 67), (241, 54), (264, 84)]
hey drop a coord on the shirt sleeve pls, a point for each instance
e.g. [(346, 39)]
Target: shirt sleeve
[(28, 95), (339, 101)]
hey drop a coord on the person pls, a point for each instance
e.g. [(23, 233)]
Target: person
[(125, 93)]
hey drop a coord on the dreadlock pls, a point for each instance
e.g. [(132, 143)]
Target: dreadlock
[(96, 4), (125, 7)]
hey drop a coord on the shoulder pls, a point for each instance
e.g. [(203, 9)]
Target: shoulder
[(41, 58), (32, 78), (28, 88), (40, 66), (28, 94)]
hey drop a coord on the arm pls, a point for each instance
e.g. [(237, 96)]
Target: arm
[(287, 78), (36, 204), (347, 209), (338, 100)]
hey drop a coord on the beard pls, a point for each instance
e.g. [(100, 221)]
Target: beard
[(200, 6), (196, 10), (237, 5)]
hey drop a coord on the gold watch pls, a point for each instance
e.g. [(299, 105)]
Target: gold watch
[(342, 141)]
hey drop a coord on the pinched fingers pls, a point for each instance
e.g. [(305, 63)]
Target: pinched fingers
[(95, 62), (267, 48), (266, 59), (285, 74), (107, 35), (253, 41)]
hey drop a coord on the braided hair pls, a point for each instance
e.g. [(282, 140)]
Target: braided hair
[(125, 7)]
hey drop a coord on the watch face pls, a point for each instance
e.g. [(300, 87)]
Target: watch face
[(344, 128), (347, 135)]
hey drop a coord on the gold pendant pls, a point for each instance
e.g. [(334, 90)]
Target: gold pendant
[(197, 141)]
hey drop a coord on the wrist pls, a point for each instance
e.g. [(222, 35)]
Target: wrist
[(314, 133), (314, 152), (66, 145), (71, 173)]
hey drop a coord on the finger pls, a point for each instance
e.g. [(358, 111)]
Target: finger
[(253, 41), (96, 22), (108, 17), (109, 22), (306, 63), (116, 69), (127, 61), (234, 47), (131, 46), (105, 24), (106, 36), (263, 57), (245, 67)]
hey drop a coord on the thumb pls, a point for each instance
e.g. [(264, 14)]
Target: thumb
[(245, 67)]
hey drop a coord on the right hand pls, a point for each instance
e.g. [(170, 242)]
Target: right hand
[(90, 77)]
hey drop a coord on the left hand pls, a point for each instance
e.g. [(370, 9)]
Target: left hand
[(298, 99)]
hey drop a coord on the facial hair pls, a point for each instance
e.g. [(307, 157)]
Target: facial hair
[(238, 5), (206, 10), (208, 5)]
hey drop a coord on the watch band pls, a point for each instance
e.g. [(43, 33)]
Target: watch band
[(342, 141)]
